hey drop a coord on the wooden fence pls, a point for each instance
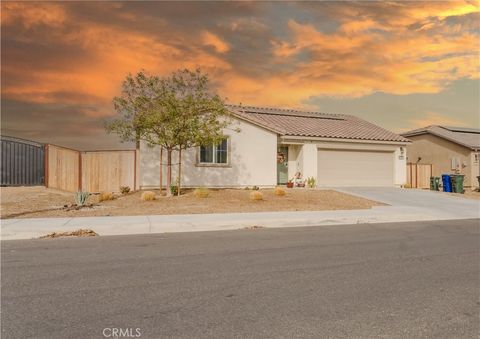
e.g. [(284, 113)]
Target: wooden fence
[(93, 171), (62, 168), (418, 175), (106, 171)]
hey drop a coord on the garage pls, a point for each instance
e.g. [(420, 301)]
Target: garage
[(338, 168)]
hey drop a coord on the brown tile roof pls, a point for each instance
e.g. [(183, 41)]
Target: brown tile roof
[(468, 137), (289, 122)]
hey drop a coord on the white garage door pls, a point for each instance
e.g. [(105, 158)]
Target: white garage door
[(338, 168)]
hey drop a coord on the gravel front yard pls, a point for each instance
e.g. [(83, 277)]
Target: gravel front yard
[(36, 202)]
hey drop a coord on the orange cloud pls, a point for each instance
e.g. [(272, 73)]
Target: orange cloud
[(113, 52), (211, 39), (392, 47), (49, 14)]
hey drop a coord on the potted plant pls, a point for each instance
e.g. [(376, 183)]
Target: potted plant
[(290, 183), (297, 179)]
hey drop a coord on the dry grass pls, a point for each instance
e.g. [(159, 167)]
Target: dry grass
[(279, 191), (38, 202), (256, 196), (201, 192), (105, 196), (77, 233), (148, 196)]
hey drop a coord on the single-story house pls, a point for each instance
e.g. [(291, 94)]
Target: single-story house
[(447, 149), (275, 144)]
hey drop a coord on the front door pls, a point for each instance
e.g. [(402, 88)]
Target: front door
[(282, 165)]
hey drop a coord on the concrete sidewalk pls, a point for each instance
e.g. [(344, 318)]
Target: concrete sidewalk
[(406, 205)]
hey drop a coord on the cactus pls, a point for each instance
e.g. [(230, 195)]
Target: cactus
[(81, 197)]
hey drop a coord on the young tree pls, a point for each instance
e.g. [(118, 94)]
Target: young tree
[(186, 114), (138, 93), (175, 112)]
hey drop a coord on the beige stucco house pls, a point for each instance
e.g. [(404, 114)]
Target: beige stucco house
[(448, 150), (275, 144)]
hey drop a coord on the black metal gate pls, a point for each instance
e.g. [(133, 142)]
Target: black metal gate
[(23, 162)]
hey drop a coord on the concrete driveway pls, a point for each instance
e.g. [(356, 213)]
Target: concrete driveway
[(435, 204)]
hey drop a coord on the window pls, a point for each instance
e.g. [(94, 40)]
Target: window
[(214, 154)]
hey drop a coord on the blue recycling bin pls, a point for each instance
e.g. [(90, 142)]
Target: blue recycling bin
[(447, 183)]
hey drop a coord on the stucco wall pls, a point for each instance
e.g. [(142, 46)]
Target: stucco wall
[(252, 162), (400, 165), (439, 152), (475, 169)]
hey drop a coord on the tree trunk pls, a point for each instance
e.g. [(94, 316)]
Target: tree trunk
[(161, 169), (169, 172), (137, 139), (179, 170)]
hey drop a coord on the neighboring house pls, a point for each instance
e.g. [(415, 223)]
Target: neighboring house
[(448, 149), (274, 144)]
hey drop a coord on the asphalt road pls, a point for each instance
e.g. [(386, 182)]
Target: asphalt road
[(404, 280)]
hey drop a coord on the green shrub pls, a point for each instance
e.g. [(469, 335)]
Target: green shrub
[(311, 182)]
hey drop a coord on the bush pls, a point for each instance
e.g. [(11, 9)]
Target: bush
[(279, 191), (105, 196), (311, 182), (255, 188), (201, 192), (124, 189), (148, 196), (174, 189), (256, 195), (81, 197)]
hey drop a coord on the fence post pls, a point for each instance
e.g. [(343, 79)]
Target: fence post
[(80, 171), (46, 165)]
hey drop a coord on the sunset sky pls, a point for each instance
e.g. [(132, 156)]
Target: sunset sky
[(401, 65)]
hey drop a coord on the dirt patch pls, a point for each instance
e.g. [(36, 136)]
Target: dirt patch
[(35, 202), (254, 227), (77, 233)]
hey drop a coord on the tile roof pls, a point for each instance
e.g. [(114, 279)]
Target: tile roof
[(468, 137), (289, 122)]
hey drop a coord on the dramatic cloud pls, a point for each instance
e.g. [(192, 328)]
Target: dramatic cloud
[(69, 58)]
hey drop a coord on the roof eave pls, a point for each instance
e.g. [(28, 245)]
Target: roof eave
[(473, 148), (257, 123), (310, 138)]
